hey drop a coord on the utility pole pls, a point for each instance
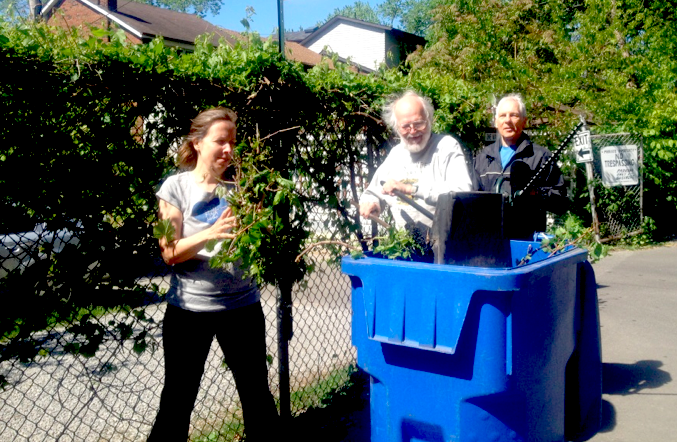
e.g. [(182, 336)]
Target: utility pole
[(35, 7), (280, 25)]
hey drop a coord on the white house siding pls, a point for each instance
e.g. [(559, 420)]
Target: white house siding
[(363, 46)]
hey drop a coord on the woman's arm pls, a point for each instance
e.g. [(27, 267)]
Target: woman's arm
[(183, 249)]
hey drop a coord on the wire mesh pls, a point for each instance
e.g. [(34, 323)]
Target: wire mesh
[(114, 394), (619, 206), (80, 276), (50, 393)]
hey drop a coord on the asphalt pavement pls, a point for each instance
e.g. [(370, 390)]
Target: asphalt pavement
[(637, 293)]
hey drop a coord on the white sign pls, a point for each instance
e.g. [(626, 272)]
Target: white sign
[(583, 147), (619, 165)]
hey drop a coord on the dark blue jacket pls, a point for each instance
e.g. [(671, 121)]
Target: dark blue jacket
[(548, 192)]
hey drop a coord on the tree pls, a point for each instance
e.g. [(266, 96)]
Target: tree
[(11, 9), (391, 10), (359, 10), (610, 59), (417, 16), (412, 16)]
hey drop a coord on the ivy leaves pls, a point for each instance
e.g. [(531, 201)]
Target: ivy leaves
[(164, 229), (572, 232), (271, 216), (399, 244)]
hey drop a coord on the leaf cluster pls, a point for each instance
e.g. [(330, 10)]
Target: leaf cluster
[(611, 61), (572, 231), (400, 244), (272, 219), (104, 134)]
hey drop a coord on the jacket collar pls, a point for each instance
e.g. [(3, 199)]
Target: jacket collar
[(523, 144)]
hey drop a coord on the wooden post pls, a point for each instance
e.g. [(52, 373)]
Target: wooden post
[(591, 190)]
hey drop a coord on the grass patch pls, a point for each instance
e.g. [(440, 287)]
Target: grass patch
[(231, 430), (315, 394), (334, 409), (341, 416)]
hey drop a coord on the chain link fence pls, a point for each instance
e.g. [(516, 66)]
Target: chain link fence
[(617, 181), (81, 354), (50, 393), (81, 277)]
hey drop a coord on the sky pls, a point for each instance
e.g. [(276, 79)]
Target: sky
[(297, 13)]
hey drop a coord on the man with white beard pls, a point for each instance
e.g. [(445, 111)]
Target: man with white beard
[(423, 165)]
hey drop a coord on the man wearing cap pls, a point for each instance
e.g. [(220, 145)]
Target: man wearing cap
[(507, 165), (422, 165)]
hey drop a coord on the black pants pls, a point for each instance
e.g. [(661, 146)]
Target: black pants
[(187, 337)]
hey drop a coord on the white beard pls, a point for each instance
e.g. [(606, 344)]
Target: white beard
[(417, 147)]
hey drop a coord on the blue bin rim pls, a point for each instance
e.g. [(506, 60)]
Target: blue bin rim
[(572, 253)]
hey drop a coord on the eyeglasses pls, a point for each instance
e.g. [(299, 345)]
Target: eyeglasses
[(416, 125)]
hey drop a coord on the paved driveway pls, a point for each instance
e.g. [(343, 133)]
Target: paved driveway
[(638, 314)]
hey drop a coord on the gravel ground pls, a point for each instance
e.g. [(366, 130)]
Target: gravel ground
[(114, 395)]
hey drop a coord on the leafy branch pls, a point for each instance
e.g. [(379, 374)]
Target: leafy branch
[(572, 233)]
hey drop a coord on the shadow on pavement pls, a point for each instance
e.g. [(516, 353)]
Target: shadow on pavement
[(627, 379), (608, 417), (343, 417)]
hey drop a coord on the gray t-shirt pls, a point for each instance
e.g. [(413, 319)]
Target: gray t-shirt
[(194, 284)]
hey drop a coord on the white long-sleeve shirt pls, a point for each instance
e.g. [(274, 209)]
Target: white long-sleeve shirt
[(441, 168)]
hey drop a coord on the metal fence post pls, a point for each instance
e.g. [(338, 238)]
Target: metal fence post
[(590, 177), (284, 334), (284, 289)]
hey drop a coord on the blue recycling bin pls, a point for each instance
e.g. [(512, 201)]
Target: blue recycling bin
[(469, 354)]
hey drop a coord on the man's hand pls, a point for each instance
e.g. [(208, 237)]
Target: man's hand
[(391, 185), (370, 208)]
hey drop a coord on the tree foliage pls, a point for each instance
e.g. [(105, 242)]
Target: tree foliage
[(612, 60), (110, 112), (14, 9), (108, 116), (358, 10), (412, 16)]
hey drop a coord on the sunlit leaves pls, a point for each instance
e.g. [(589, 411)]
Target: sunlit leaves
[(399, 244), (164, 229)]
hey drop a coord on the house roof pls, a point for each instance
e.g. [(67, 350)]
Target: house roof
[(400, 35), (296, 52), (297, 36), (146, 21)]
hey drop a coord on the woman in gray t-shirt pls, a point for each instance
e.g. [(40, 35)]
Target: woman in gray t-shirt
[(204, 302)]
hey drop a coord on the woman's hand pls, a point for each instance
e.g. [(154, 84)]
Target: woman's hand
[(224, 226), (184, 248)]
